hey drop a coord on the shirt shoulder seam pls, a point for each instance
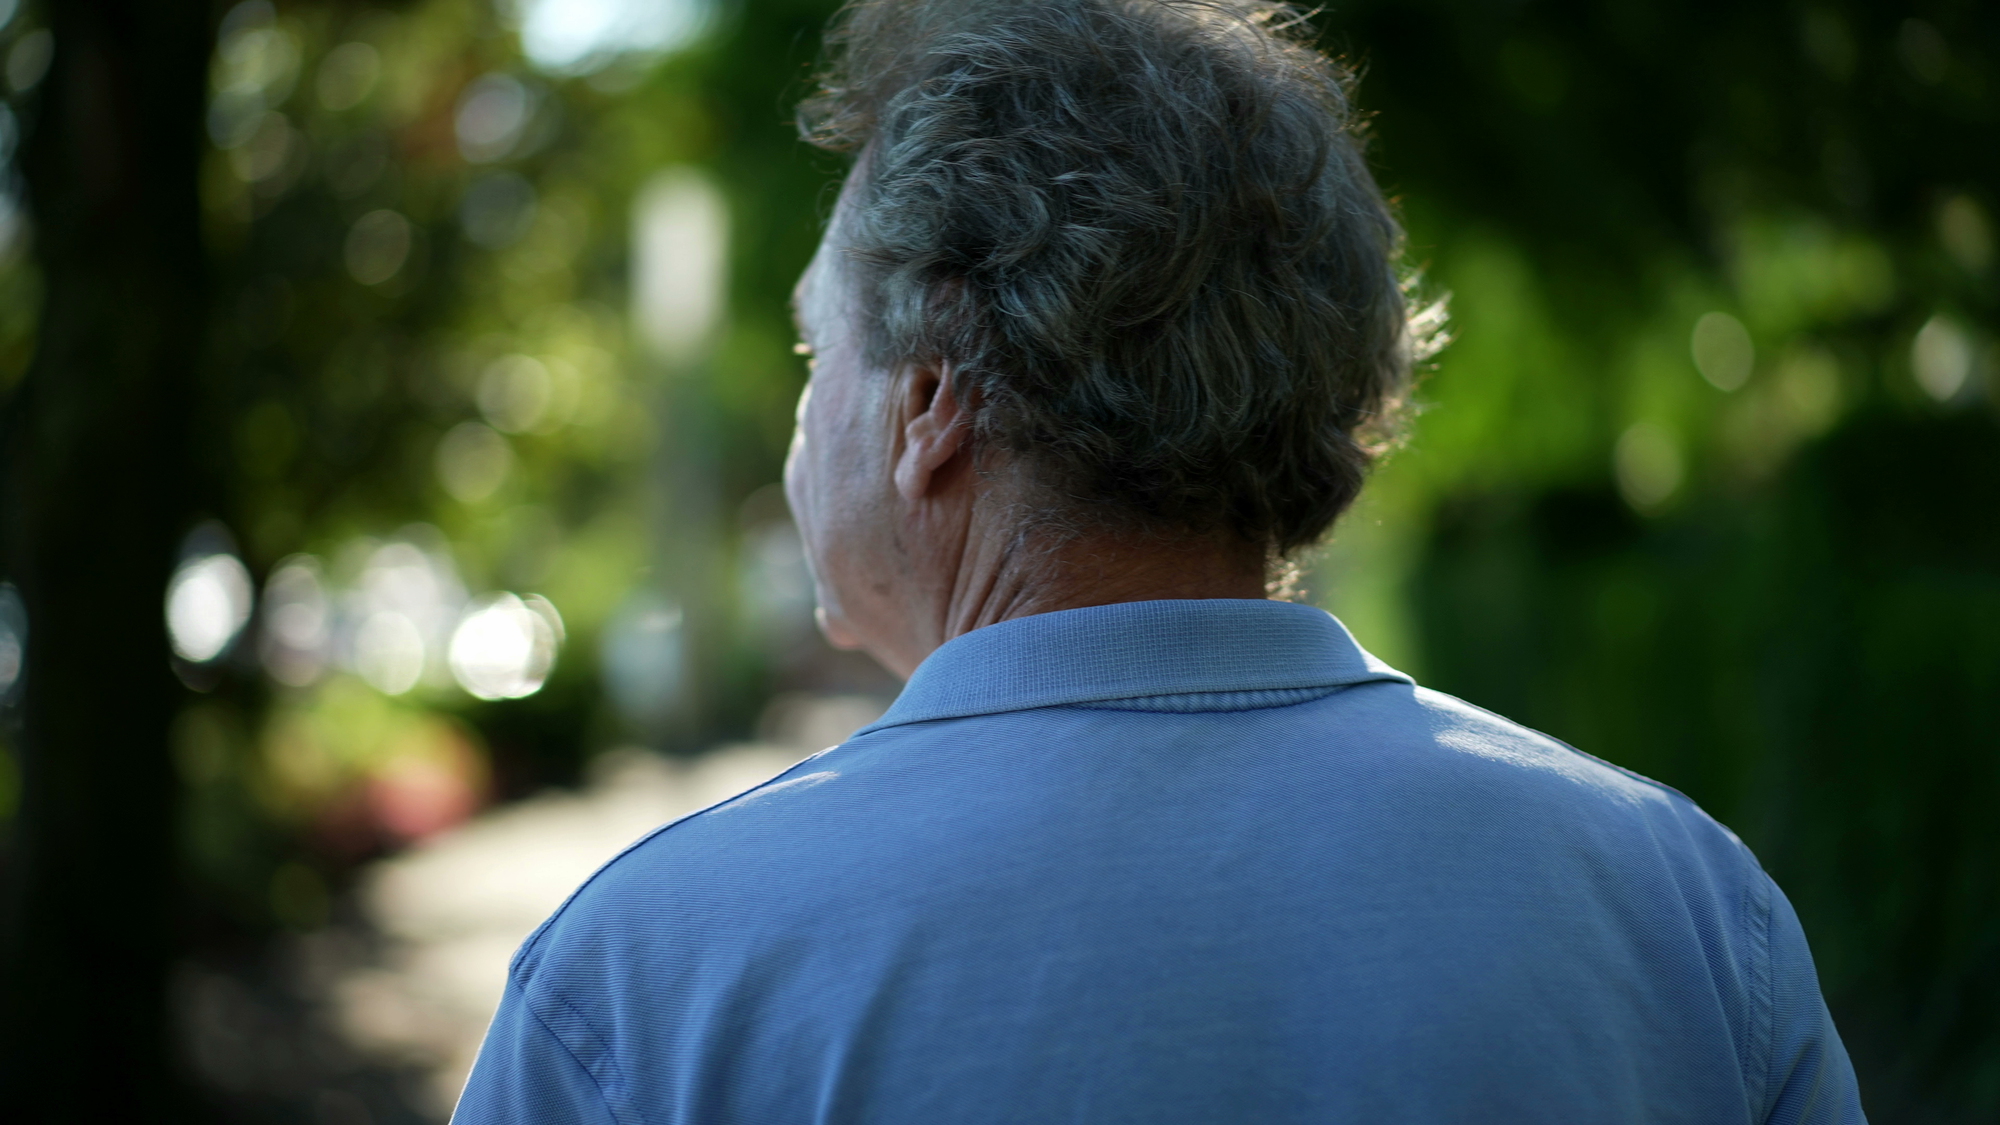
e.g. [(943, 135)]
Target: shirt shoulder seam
[(1757, 926), (616, 1107)]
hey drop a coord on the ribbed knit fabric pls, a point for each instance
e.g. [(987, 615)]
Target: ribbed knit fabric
[(1173, 863)]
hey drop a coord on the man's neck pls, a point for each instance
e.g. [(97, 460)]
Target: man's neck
[(1043, 574)]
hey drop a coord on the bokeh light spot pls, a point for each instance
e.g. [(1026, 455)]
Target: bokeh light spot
[(505, 646), (257, 59), (1809, 387), (1941, 358), (493, 113), (516, 393), (1648, 465), (1965, 232), (13, 640), (1722, 351), (271, 145), (680, 241), (584, 36), (390, 626), (297, 621), (347, 75), (473, 462), (389, 652), (12, 225), (377, 246), (208, 603), (29, 60)]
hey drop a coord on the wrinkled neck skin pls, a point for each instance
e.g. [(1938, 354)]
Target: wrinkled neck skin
[(979, 556)]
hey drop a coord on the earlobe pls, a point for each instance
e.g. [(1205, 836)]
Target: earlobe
[(936, 429)]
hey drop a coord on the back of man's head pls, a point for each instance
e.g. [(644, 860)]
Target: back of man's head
[(1142, 235)]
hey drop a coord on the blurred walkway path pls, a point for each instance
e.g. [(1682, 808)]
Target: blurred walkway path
[(452, 911)]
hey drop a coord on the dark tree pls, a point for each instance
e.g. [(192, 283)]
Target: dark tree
[(98, 490)]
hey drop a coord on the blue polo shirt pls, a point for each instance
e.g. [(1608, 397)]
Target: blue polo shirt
[(1166, 863)]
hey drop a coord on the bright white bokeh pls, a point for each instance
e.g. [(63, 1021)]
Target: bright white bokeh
[(297, 621), (389, 652), (680, 240), (208, 603), (384, 610), (505, 646), (573, 37), (401, 608)]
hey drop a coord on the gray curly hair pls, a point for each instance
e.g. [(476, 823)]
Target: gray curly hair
[(1143, 235)]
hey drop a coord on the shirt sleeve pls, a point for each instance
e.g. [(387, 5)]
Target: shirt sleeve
[(524, 1075), (1811, 1080)]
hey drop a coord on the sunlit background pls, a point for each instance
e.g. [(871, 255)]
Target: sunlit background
[(482, 570)]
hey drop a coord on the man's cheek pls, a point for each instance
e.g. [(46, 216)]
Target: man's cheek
[(794, 481)]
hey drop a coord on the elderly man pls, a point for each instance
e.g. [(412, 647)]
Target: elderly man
[(1106, 323)]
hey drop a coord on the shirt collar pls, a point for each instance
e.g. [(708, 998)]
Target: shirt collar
[(1132, 650)]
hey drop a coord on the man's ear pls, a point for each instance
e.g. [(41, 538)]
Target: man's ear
[(937, 429)]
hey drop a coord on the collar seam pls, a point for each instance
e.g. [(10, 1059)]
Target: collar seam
[(972, 711)]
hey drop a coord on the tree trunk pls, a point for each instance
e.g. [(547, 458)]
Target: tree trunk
[(99, 485)]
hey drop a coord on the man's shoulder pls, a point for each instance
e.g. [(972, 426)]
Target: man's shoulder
[(660, 875), (1368, 741), (1540, 779), (1475, 738), (907, 811), (1387, 734)]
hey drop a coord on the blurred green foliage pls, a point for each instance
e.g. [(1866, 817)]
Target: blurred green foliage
[(1704, 484), (425, 336)]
